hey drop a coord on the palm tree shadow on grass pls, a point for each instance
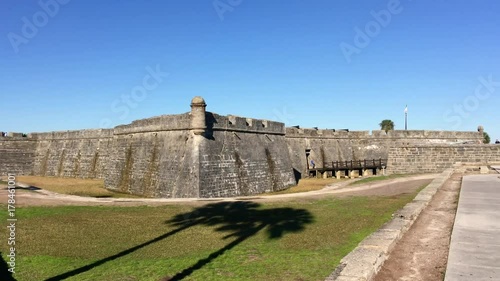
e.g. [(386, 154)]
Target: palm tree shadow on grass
[(240, 220), (5, 274)]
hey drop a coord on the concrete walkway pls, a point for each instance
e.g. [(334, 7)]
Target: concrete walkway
[(475, 241)]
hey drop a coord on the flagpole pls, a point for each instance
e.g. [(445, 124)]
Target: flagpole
[(406, 118)]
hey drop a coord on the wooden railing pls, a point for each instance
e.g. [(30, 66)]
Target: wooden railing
[(355, 164)]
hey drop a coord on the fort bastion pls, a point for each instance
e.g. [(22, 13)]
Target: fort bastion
[(203, 154)]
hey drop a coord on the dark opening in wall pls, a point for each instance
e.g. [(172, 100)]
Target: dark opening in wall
[(308, 152)]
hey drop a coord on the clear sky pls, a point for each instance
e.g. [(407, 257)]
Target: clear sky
[(79, 64)]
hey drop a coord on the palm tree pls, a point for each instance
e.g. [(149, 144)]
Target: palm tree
[(386, 125), (486, 137)]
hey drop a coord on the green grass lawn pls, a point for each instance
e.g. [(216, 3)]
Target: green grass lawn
[(296, 240)]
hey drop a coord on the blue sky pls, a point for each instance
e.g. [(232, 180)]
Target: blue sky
[(331, 64)]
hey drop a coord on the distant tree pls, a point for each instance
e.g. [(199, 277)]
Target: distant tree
[(486, 138), (386, 125)]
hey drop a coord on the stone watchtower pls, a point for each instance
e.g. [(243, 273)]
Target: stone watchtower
[(198, 123), (480, 130)]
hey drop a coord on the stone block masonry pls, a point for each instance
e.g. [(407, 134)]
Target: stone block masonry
[(411, 159), (79, 154), (17, 154), (203, 154), (199, 154), (243, 156), (328, 145), (195, 154), (154, 157)]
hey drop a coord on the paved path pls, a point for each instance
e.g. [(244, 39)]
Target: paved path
[(475, 242), (387, 188)]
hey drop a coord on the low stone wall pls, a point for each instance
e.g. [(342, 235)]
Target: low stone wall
[(413, 159), (363, 263)]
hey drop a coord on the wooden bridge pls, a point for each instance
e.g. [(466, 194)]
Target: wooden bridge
[(351, 168)]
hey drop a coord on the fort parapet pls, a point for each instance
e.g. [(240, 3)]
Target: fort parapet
[(442, 136), (203, 154), (326, 146), (435, 158)]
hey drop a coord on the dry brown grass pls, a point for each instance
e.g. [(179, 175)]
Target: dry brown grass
[(72, 186), (309, 184)]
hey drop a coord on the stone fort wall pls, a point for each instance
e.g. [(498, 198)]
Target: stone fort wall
[(249, 155), (154, 157), (80, 154), (17, 154), (203, 154), (329, 145), (195, 154), (162, 157), (409, 158)]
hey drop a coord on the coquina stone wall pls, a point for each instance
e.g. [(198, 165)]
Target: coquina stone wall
[(328, 145), (203, 154), (243, 156), (410, 159), (155, 157), (80, 154), (196, 154), (17, 154), (231, 156)]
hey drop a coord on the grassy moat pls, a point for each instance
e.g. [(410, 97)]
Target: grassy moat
[(300, 239), (296, 240)]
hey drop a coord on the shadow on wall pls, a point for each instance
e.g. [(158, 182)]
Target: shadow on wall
[(240, 220), (210, 121), (297, 175)]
